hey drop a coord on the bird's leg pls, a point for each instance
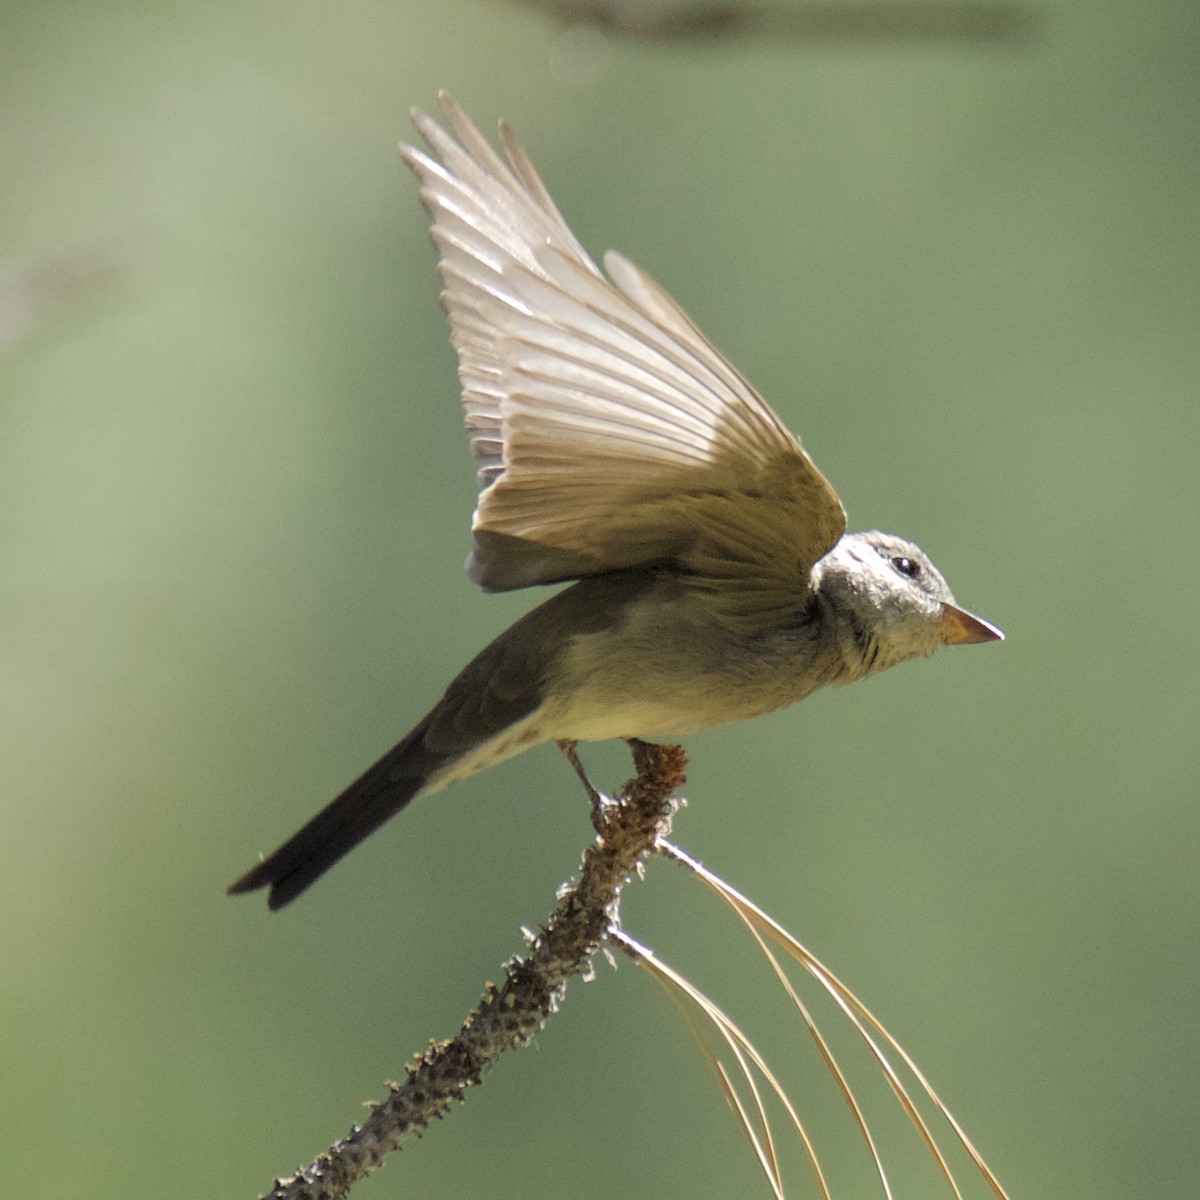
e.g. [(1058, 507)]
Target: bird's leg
[(598, 799)]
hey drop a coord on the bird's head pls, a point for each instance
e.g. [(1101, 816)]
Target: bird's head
[(891, 603)]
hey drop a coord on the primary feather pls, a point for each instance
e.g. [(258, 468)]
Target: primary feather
[(608, 431)]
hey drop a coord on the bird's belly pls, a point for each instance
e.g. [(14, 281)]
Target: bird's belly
[(653, 709), (669, 667)]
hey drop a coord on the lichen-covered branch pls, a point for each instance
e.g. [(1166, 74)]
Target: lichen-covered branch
[(509, 1015)]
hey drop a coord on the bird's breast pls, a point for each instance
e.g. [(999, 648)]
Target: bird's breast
[(669, 667)]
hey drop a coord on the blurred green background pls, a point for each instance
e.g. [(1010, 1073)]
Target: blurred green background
[(234, 501)]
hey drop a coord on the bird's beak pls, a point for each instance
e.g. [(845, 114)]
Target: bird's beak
[(961, 628)]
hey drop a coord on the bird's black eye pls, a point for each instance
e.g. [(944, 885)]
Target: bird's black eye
[(906, 566)]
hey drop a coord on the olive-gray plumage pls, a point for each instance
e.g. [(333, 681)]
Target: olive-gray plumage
[(616, 447)]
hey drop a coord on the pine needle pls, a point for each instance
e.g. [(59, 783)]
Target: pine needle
[(765, 928), (756, 1123)]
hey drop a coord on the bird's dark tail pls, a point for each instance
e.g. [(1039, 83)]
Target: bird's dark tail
[(377, 794), (501, 686)]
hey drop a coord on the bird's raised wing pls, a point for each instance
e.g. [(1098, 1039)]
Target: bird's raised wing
[(608, 431)]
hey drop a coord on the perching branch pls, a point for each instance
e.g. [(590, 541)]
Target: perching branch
[(630, 828), (508, 1016)]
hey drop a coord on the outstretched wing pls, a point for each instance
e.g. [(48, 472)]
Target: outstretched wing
[(608, 431)]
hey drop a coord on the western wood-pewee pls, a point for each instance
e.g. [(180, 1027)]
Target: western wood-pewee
[(616, 447)]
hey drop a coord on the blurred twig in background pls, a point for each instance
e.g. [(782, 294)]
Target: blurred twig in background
[(915, 20), (37, 294)]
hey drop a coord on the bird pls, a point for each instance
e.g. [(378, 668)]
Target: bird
[(711, 575)]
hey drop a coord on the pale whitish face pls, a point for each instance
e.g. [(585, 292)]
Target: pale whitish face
[(892, 590)]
